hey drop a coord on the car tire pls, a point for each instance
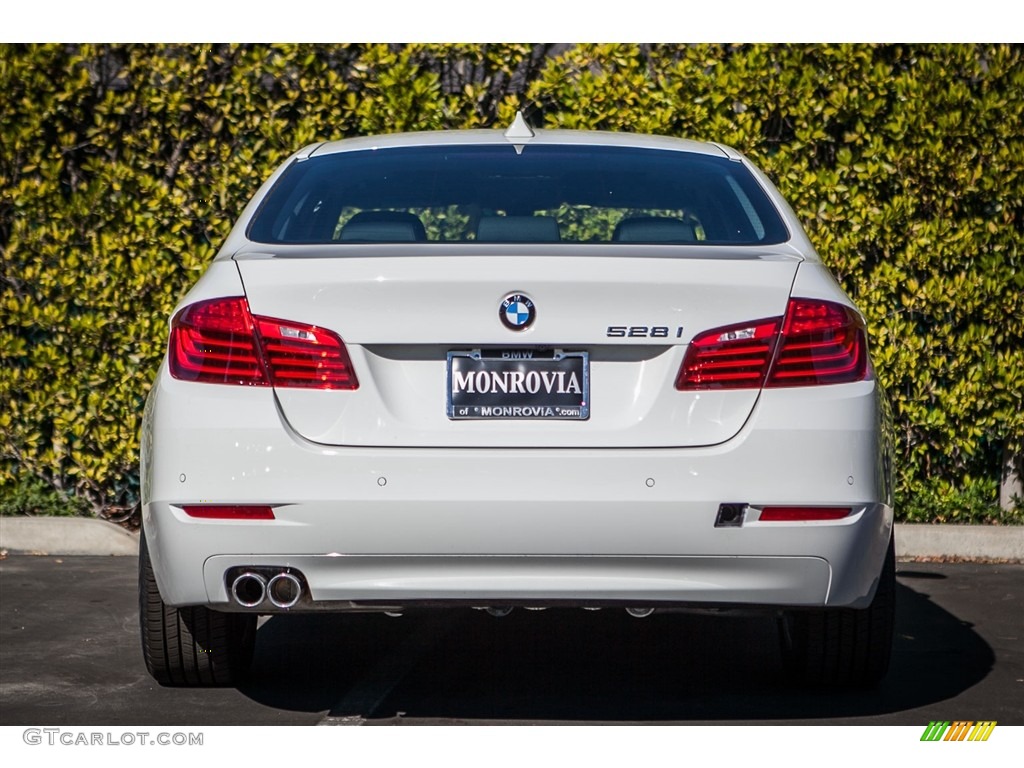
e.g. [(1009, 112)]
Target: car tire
[(192, 646), (842, 647)]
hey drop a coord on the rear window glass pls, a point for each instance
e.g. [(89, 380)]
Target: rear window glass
[(545, 194)]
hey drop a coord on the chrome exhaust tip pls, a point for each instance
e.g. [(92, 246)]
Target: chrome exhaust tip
[(499, 611), (249, 589), (284, 590)]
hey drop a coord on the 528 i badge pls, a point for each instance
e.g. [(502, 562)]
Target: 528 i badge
[(642, 332)]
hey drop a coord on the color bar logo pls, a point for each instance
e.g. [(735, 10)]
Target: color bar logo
[(960, 730)]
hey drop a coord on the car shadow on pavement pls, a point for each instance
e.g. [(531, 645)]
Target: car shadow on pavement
[(568, 665)]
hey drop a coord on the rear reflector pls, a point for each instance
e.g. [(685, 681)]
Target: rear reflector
[(817, 342), (219, 341), (229, 512), (790, 514)]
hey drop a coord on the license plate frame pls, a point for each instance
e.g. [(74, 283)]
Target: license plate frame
[(479, 381)]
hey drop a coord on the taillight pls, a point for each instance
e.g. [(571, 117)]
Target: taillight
[(213, 341), (219, 341), (822, 343), (735, 357), (305, 355), (817, 342)]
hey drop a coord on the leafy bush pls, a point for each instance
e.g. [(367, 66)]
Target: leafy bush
[(123, 167), (973, 501), (34, 497)]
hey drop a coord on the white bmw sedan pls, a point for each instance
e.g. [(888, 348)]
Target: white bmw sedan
[(521, 368)]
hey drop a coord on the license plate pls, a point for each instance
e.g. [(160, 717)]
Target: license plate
[(518, 384)]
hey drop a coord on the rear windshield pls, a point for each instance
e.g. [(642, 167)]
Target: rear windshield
[(491, 193)]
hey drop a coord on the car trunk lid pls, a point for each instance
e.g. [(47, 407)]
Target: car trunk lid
[(631, 312)]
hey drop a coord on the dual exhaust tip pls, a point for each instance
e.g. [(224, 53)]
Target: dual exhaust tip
[(250, 589)]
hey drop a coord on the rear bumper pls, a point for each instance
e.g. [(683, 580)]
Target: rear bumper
[(390, 526), (352, 582)]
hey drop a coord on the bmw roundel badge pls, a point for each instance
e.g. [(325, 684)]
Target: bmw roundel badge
[(517, 312)]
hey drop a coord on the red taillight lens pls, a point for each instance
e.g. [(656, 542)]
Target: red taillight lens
[(213, 341), (735, 357), (229, 512), (219, 341), (818, 342), (791, 514), (822, 343), (305, 356)]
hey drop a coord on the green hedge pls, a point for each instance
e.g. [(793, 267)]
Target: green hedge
[(122, 167)]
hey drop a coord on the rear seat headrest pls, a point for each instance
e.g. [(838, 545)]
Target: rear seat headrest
[(654, 229), (384, 226)]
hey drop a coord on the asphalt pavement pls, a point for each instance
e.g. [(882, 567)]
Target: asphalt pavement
[(70, 655)]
